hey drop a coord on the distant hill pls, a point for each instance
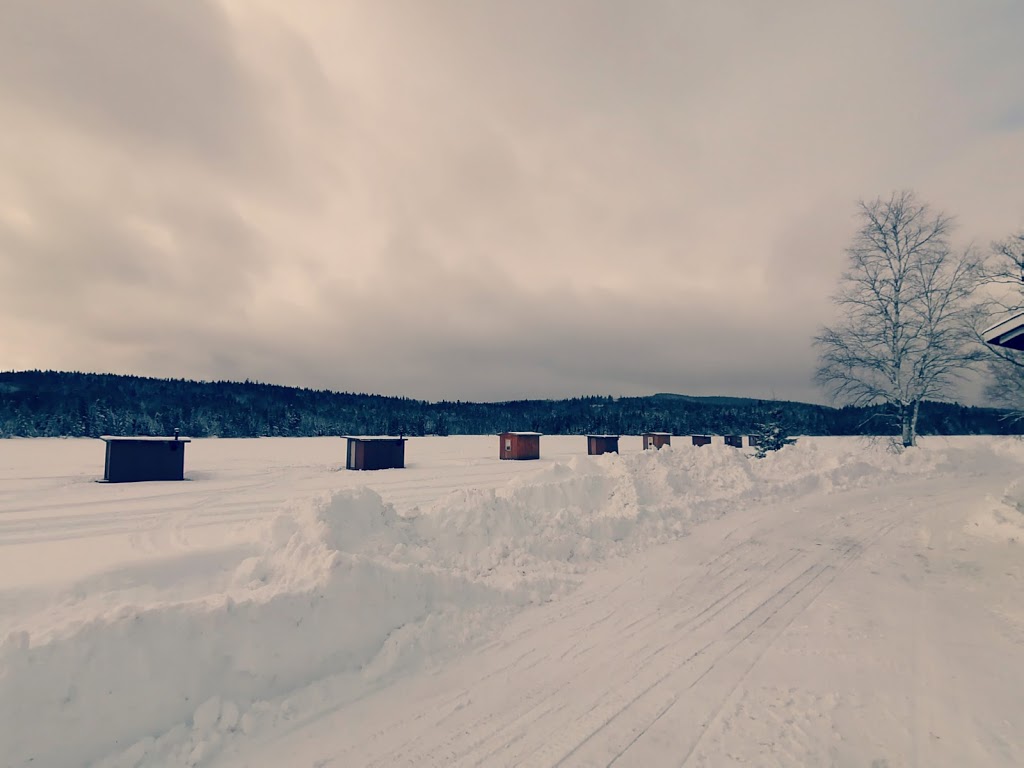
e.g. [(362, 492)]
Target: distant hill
[(716, 399), (55, 403)]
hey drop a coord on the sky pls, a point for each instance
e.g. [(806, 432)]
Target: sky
[(479, 200)]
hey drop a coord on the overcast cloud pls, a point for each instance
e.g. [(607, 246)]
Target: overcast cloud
[(478, 200)]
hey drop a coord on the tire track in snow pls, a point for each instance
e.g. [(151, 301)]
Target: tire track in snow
[(822, 577), (850, 556), (677, 663), (530, 717), (700, 580), (529, 709), (647, 715)]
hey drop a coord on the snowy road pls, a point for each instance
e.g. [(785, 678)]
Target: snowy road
[(865, 629)]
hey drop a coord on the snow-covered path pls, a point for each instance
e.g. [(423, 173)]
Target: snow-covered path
[(866, 628)]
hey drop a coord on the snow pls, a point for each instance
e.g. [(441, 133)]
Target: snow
[(833, 604)]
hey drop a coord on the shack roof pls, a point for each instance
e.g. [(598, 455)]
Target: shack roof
[(1008, 333), (602, 435), (668, 434), (538, 434), (372, 438), (144, 439)]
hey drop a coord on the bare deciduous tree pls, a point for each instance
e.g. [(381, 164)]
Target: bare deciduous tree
[(1007, 266), (907, 331)]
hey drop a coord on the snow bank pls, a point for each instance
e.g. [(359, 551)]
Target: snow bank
[(303, 610), (347, 589)]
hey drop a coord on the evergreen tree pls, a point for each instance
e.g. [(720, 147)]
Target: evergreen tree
[(772, 433)]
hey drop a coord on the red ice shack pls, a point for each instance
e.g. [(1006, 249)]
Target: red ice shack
[(656, 439), (519, 446)]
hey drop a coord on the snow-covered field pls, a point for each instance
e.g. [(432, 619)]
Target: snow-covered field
[(834, 604)]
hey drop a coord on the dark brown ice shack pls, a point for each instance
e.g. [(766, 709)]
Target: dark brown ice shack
[(519, 446), (701, 439), (598, 444), (141, 459), (735, 441), (375, 452), (656, 439)]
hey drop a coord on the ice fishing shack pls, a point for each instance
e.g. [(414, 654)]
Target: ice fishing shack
[(384, 452), (138, 459), (598, 444), (657, 439), (519, 446)]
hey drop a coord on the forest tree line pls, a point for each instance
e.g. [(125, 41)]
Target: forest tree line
[(63, 404)]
